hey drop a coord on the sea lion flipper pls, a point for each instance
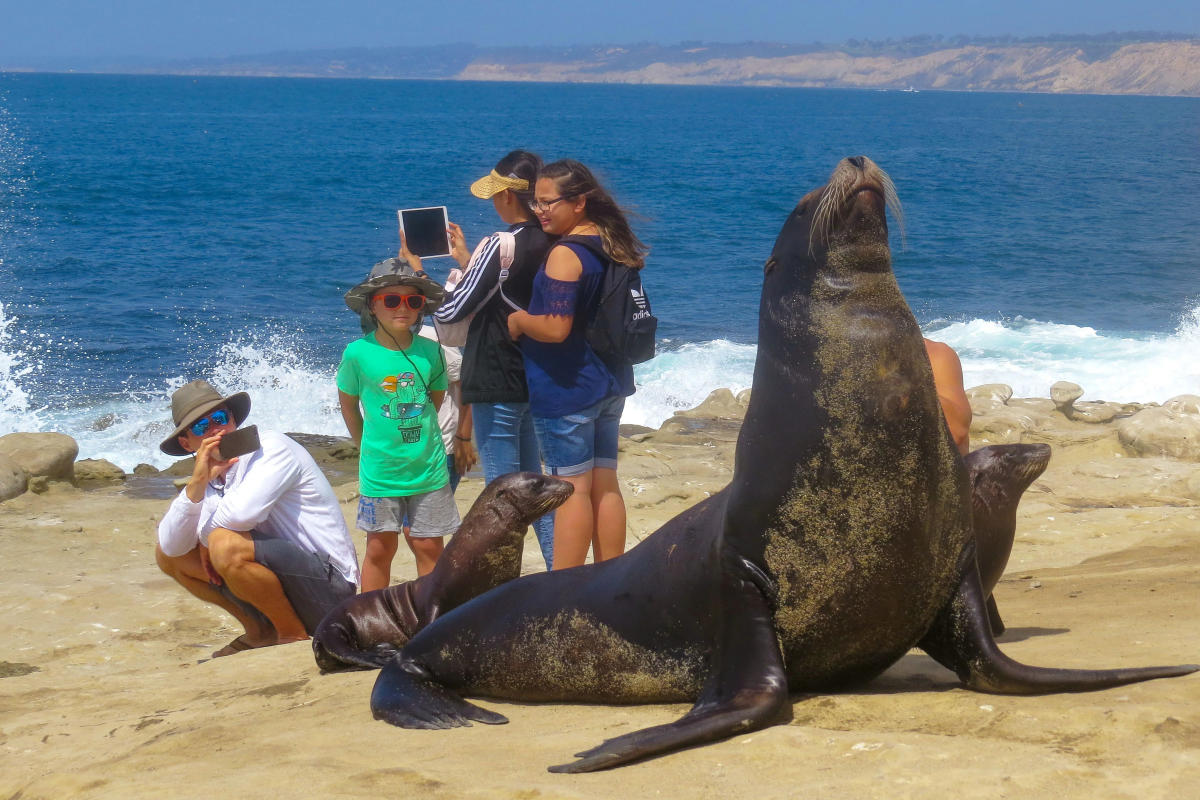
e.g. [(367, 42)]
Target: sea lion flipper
[(961, 640), (405, 697), (746, 690)]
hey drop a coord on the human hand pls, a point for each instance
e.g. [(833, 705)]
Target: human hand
[(465, 456), (407, 255), (209, 467), (514, 325), (458, 245)]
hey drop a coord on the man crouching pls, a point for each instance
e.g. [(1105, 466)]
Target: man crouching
[(260, 535)]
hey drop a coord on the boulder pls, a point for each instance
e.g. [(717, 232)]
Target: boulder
[(1003, 426), (1183, 404), (97, 472), (1095, 413), (988, 397), (1172, 429), (49, 455), (144, 469), (1064, 394), (720, 404), (13, 479)]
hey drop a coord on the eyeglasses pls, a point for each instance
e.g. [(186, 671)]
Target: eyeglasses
[(544, 205), (219, 417), (414, 301)]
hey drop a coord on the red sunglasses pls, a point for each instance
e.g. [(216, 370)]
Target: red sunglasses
[(414, 301)]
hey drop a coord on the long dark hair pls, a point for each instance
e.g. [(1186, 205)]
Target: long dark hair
[(524, 165), (573, 180)]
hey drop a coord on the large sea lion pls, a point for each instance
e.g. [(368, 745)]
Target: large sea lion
[(999, 475), (843, 540), (368, 630)]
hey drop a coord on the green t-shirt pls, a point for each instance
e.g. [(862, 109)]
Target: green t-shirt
[(401, 452)]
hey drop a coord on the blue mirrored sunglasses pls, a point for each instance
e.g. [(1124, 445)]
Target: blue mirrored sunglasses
[(218, 417)]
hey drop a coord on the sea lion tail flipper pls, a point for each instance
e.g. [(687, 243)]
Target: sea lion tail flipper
[(406, 697), (961, 640), (746, 690)]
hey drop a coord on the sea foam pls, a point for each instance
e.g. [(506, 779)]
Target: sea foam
[(293, 389)]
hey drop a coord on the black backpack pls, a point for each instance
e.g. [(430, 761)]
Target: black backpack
[(622, 329)]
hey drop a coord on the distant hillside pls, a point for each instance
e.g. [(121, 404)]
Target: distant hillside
[(1127, 63)]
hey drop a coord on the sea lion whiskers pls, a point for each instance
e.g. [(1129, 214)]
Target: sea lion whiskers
[(852, 175)]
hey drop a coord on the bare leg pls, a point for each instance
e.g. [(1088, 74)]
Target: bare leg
[(377, 563), (188, 571), (232, 554), (426, 550), (573, 523), (608, 535)]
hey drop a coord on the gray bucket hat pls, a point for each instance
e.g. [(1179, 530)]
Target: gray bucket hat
[(191, 402), (392, 272)]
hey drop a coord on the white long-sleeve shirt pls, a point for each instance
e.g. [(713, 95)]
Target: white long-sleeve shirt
[(277, 490)]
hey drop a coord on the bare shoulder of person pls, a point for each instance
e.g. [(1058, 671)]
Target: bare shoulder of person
[(563, 265)]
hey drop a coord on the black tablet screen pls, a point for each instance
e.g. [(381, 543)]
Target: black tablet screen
[(425, 231)]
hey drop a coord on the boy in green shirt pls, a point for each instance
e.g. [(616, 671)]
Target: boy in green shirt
[(390, 386)]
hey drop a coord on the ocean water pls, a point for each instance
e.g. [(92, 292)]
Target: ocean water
[(158, 229)]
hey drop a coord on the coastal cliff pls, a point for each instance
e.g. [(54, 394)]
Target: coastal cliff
[(1131, 63), (1158, 68)]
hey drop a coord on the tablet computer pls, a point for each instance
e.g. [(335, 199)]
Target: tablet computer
[(425, 230)]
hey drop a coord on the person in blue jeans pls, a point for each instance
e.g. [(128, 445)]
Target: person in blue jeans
[(493, 371), (575, 397)]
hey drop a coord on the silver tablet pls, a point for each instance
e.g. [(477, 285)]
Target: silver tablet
[(425, 230)]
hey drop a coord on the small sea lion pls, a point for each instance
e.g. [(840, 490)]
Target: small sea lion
[(844, 539), (1000, 474), (368, 630)]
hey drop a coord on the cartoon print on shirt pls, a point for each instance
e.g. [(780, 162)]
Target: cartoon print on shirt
[(407, 403)]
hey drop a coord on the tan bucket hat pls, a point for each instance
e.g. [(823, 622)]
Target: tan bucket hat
[(191, 402)]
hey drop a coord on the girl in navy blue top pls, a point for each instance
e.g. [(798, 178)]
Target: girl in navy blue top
[(575, 399)]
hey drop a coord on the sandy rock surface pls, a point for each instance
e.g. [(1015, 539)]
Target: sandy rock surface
[(107, 689)]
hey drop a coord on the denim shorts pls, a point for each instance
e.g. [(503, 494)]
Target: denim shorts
[(428, 515), (578, 443)]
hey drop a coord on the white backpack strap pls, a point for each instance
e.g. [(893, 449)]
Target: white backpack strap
[(508, 251)]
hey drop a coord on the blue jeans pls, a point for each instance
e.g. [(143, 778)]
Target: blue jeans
[(507, 443)]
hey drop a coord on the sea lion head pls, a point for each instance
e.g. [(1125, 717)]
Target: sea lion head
[(833, 244), (1000, 474), (521, 497)]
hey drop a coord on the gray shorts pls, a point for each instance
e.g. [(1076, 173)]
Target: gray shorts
[(426, 515), (313, 585)]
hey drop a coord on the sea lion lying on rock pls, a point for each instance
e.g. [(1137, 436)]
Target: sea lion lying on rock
[(368, 630), (844, 539)]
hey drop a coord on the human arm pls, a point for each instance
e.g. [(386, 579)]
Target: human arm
[(465, 455), (563, 266), (948, 381), (409, 256), (264, 477), (482, 274), (458, 245), (179, 529), (351, 415)]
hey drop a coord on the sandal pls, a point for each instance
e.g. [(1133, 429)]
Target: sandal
[(238, 645)]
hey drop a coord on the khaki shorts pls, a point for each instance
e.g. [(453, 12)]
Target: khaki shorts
[(426, 515)]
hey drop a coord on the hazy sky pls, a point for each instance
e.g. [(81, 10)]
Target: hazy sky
[(164, 28)]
